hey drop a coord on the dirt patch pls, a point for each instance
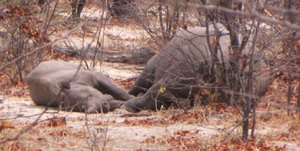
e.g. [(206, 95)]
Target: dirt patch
[(115, 131), (200, 128)]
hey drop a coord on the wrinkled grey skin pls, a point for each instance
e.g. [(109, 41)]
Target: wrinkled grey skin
[(179, 71), (63, 84)]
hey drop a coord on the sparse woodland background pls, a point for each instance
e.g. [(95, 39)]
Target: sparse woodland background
[(32, 31)]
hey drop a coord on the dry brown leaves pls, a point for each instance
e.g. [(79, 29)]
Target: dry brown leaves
[(181, 140), (194, 117), (291, 135), (59, 133), (53, 122), (145, 122), (277, 94), (246, 145), (16, 88), (17, 146), (126, 84), (54, 54), (104, 123), (23, 15), (6, 125)]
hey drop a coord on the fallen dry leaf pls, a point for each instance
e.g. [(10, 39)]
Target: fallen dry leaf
[(6, 125), (54, 122)]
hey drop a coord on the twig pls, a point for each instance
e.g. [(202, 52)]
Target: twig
[(136, 115), (252, 13), (11, 118), (25, 129)]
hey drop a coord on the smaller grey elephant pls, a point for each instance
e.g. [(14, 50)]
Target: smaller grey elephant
[(63, 84)]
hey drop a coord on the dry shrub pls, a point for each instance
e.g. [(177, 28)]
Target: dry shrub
[(24, 31)]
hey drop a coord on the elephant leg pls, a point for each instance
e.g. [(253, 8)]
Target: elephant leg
[(153, 99), (106, 86), (163, 93), (142, 84), (114, 104)]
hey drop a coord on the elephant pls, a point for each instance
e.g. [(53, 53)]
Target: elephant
[(185, 66), (63, 84)]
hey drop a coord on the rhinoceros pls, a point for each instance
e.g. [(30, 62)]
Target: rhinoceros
[(63, 84), (185, 66)]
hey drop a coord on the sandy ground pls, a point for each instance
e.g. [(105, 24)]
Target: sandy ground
[(119, 135)]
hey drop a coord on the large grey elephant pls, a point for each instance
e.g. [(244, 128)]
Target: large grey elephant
[(63, 84), (186, 66)]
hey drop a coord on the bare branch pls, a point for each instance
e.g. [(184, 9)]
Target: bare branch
[(253, 13), (41, 48)]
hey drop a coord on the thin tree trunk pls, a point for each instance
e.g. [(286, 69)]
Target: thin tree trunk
[(253, 119), (246, 109), (290, 17), (289, 93), (298, 101)]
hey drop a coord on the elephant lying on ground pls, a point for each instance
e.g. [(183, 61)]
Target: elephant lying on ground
[(58, 83), (185, 66)]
